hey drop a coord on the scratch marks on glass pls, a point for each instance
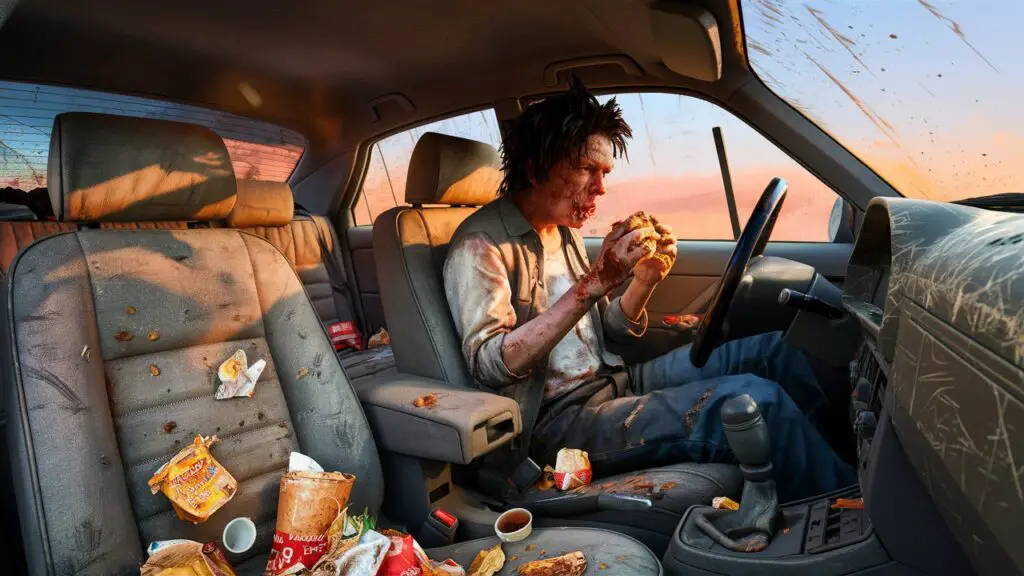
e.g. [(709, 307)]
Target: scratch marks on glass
[(845, 41), (955, 27)]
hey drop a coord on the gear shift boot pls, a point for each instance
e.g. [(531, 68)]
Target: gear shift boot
[(751, 527)]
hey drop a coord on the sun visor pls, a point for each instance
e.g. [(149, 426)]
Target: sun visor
[(686, 37)]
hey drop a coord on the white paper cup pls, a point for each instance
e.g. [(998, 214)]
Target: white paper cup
[(239, 535), (514, 525)]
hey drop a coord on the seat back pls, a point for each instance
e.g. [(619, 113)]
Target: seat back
[(113, 339), (410, 245)]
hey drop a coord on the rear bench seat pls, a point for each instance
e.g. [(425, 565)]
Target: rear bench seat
[(309, 243), (265, 209)]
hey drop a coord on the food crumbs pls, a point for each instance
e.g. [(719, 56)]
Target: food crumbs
[(426, 401), (132, 310), (620, 557), (123, 336), (170, 426), (530, 547), (602, 566), (153, 370), (303, 372), (153, 336), (644, 485), (785, 530), (513, 558), (668, 485), (543, 552)]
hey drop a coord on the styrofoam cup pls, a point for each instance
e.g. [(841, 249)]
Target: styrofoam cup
[(239, 535)]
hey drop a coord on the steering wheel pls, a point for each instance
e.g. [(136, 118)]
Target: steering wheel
[(751, 243)]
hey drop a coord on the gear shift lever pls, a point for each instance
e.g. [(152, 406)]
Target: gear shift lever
[(751, 527)]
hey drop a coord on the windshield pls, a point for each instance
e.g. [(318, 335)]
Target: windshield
[(927, 93)]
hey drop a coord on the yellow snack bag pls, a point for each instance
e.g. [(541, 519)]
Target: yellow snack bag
[(195, 483)]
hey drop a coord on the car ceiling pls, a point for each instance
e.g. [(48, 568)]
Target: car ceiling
[(317, 65)]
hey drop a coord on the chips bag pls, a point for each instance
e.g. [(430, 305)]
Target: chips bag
[(195, 483), (572, 469), (187, 558)]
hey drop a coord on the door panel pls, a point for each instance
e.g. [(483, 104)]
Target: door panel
[(360, 243), (694, 279)]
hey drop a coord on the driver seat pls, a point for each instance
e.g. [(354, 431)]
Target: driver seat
[(456, 176)]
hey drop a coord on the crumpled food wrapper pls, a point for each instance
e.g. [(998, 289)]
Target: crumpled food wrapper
[(488, 562), (237, 378), (311, 504), (379, 340), (405, 557), (195, 483), (186, 558), (353, 547), (572, 469)]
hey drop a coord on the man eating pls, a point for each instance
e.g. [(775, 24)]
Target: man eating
[(534, 318)]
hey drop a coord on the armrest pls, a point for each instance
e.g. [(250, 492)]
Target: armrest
[(463, 425)]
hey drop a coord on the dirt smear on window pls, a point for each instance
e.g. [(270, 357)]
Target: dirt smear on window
[(845, 41), (881, 123), (955, 27)]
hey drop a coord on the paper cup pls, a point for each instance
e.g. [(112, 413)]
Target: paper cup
[(514, 525), (239, 535)]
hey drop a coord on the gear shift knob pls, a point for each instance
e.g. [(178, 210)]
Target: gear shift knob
[(746, 431)]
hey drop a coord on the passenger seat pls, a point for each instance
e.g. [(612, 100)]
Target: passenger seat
[(90, 314), (309, 243)]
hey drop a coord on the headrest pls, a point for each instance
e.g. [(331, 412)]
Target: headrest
[(450, 170), (116, 168), (262, 203)]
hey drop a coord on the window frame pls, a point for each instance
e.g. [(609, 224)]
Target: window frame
[(354, 188)]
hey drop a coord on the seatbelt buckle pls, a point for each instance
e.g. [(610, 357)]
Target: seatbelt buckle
[(438, 529), (345, 335)]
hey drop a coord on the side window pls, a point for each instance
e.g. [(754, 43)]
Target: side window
[(673, 173), (384, 184)]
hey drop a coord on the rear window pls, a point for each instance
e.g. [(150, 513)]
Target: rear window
[(258, 150)]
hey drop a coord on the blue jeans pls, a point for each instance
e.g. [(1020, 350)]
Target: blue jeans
[(672, 415)]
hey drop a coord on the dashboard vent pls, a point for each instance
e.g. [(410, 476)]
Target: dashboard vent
[(868, 370)]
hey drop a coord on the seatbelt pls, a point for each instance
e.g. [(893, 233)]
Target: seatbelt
[(335, 275)]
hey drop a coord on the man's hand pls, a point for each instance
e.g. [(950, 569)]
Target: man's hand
[(654, 268), (619, 255)]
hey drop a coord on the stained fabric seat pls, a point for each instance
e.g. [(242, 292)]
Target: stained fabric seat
[(449, 178), (112, 341)]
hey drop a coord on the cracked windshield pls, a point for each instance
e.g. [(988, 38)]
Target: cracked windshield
[(926, 93)]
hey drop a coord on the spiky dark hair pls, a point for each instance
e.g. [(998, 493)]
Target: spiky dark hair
[(557, 128)]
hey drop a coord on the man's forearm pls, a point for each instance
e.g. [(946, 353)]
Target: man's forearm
[(527, 344), (635, 298)]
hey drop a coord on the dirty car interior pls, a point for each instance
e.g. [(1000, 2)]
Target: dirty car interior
[(198, 178)]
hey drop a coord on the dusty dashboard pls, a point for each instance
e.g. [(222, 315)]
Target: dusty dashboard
[(939, 292)]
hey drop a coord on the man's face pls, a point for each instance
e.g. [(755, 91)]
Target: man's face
[(573, 190)]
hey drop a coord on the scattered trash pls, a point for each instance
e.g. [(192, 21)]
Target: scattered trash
[(487, 562), (86, 353), (602, 566), (644, 485), (153, 336), (310, 501), (724, 503), (513, 558), (668, 486), (237, 377), (848, 503), (170, 426), (132, 310), (426, 401), (123, 336), (406, 558), (571, 564), (345, 335), (174, 557), (572, 469), (379, 340), (153, 370), (195, 483), (302, 373), (530, 547), (547, 479), (353, 547)]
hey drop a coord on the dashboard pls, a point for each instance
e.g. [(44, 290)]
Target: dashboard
[(938, 290)]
